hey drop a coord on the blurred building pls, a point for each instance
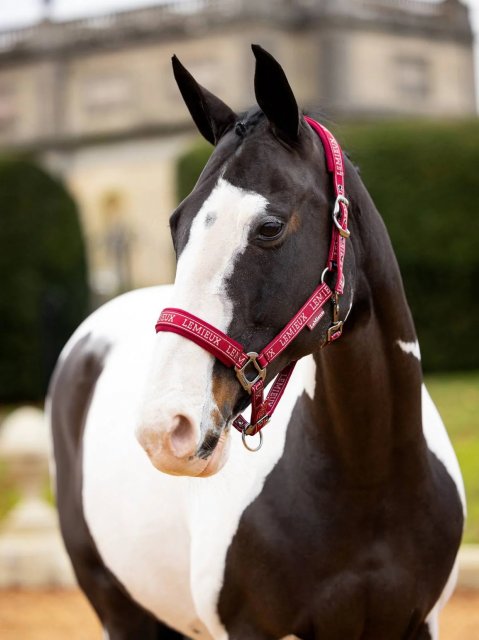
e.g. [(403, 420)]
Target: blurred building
[(95, 98)]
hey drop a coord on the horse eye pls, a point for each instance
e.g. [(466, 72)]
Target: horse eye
[(271, 229)]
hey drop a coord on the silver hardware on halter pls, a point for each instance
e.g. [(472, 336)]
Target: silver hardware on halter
[(336, 329), (344, 233), (241, 375), (252, 449), (262, 422)]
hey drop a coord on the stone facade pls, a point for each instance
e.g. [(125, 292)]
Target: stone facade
[(96, 98)]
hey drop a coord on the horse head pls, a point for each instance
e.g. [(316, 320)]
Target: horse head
[(251, 242)]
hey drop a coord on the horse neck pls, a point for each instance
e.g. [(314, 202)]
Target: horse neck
[(367, 402)]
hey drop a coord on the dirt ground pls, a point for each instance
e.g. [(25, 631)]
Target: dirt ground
[(66, 615)]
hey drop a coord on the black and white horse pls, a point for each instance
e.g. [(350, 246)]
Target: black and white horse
[(346, 525)]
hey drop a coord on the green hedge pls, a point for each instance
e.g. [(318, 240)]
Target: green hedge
[(44, 290), (423, 177)]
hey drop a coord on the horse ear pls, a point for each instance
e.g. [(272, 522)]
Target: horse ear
[(274, 95), (210, 114)]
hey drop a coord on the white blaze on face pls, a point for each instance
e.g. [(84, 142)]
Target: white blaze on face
[(218, 235), (182, 371)]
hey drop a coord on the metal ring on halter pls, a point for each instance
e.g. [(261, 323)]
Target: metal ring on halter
[(325, 271), (243, 437)]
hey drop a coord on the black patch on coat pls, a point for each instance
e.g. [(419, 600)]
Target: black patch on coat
[(210, 219), (316, 557)]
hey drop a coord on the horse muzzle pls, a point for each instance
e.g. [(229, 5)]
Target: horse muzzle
[(174, 447)]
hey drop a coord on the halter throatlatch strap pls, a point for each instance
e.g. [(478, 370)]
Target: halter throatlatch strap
[(250, 367)]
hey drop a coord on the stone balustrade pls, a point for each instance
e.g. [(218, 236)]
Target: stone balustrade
[(186, 15)]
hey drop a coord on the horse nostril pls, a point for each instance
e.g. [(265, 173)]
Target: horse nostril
[(182, 437)]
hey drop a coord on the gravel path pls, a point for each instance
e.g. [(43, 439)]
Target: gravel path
[(66, 615)]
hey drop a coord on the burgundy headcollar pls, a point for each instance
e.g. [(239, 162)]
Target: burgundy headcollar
[(251, 367)]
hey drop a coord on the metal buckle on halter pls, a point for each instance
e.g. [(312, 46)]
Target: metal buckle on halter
[(241, 372), (336, 329), (252, 429), (344, 233)]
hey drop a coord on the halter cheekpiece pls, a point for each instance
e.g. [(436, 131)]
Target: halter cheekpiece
[(250, 367)]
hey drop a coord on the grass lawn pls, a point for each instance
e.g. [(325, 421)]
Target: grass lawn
[(9, 494), (457, 397)]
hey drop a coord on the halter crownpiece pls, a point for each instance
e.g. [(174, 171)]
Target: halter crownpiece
[(250, 367)]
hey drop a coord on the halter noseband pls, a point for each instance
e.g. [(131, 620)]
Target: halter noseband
[(251, 367)]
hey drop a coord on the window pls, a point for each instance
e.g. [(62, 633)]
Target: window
[(107, 92), (412, 77)]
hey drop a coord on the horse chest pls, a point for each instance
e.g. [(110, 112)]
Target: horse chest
[(322, 573), (165, 538), (334, 563)]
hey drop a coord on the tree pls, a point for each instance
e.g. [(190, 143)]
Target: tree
[(43, 277)]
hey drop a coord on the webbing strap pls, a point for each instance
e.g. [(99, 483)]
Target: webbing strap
[(335, 166), (309, 315), (184, 323), (262, 413), (230, 352)]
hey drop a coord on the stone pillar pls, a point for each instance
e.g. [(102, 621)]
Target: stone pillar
[(31, 550)]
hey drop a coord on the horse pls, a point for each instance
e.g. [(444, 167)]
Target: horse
[(346, 524)]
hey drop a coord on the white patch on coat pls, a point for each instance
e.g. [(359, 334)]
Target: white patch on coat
[(136, 514), (165, 538), (218, 236), (308, 366), (438, 442), (433, 617), (410, 347)]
